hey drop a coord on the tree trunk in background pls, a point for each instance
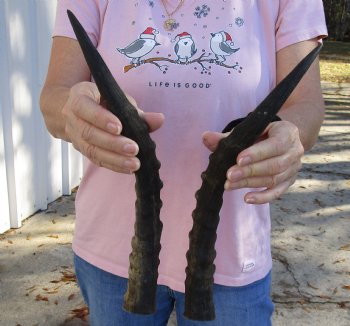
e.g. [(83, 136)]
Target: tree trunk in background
[(338, 19)]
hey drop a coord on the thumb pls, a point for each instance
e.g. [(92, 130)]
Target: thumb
[(153, 119), (211, 139)]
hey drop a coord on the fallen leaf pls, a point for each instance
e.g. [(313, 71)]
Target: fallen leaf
[(342, 305), (52, 292), (339, 261), (31, 289), (10, 241), (286, 210), (318, 234), (29, 237), (53, 221), (51, 211), (319, 203), (81, 313), (345, 247), (53, 236), (71, 297), (346, 287), (39, 297), (312, 286), (68, 277), (325, 297)]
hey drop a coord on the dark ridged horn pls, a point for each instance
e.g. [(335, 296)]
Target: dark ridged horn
[(144, 258), (201, 254)]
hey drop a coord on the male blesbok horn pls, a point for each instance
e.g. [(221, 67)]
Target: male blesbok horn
[(144, 258), (201, 254)]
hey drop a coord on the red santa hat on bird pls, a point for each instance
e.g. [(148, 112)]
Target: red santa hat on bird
[(149, 32), (183, 35), (226, 37)]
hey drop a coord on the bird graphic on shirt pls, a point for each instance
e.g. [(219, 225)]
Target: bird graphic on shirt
[(185, 47), (141, 46), (222, 45)]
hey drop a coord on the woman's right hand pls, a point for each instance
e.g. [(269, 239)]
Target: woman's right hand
[(96, 132)]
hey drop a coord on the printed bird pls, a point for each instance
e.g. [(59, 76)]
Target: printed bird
[(184, 47), (142, 46), (222, 45)]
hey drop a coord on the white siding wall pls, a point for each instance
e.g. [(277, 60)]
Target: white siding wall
[(35, 168)]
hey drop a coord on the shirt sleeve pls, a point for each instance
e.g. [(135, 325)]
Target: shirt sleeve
[(299, 21), (90, 13)]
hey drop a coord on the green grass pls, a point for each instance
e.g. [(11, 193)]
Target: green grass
[(335, 62)]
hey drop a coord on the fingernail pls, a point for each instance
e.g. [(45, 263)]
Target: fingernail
[(113, 127), (235, 175), (204, 138), (250, 200), (131, 165), (130, 149), (244, 161)]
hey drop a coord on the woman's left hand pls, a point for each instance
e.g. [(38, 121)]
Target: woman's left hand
[(271, 163)]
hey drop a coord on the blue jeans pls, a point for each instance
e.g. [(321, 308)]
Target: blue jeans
[(103, 292)]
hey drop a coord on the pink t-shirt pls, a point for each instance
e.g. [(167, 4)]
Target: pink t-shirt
[(194, 97)]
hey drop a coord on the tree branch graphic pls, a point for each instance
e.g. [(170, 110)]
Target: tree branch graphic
[(204, 61)]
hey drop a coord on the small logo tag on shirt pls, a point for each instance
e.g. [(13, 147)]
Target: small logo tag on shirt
[(248, 266)]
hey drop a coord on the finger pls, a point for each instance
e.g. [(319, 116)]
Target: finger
[(211, 139), (268, 195), (87, 109), (281, 138), (263, 181), (109, 160), (268, 167), (153, 120), (261, 151), (104, 140)]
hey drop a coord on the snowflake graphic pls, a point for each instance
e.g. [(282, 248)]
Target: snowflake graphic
[(201, 11), (239, 21), (151, 3)]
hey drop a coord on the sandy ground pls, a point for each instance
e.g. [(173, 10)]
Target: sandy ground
[(310, 244)]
